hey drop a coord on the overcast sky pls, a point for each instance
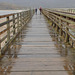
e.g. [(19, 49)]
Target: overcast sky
[(43, 3)]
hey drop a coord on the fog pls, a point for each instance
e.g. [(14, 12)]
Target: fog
[(43, 3)]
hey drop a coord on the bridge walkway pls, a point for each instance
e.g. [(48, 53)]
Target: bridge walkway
[(35, 52)]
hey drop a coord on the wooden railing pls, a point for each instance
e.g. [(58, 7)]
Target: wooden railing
[(10, 27), (64, 10), (63, 23)]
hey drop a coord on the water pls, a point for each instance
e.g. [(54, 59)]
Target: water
[(4, 12)]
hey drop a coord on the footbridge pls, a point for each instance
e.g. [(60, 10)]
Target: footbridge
[(37, 44)]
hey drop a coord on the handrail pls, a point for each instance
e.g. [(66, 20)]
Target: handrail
[(62, 14), (18, 20), (2, 16), (65, 10)]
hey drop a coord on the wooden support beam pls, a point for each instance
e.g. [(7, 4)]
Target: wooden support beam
[(67, 36), (8, 31), (57, 28), (20, 20), (14, 25), (17, 22)]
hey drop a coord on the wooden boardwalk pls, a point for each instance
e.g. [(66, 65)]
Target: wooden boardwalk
[(35, 52)]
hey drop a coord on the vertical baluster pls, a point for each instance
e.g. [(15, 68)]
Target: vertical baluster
[(17, 22), (67, 36), (27, 14), (56, 26), (30, 13), (60, 23), (67, 29), (8, 31), (21, 19), (25, 17), (14, 24)]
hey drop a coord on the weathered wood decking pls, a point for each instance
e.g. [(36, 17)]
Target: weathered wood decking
[(35, 52)]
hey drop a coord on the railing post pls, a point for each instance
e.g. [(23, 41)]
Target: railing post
[(8, 31), (60, 26), (21, 19), (60, 31), (67, 36), (25, 17), (17, 22), (66, 32), (57, 28), (28, 13), (13, 24)]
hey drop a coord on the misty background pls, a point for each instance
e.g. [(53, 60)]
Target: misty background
[(39, 3)]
